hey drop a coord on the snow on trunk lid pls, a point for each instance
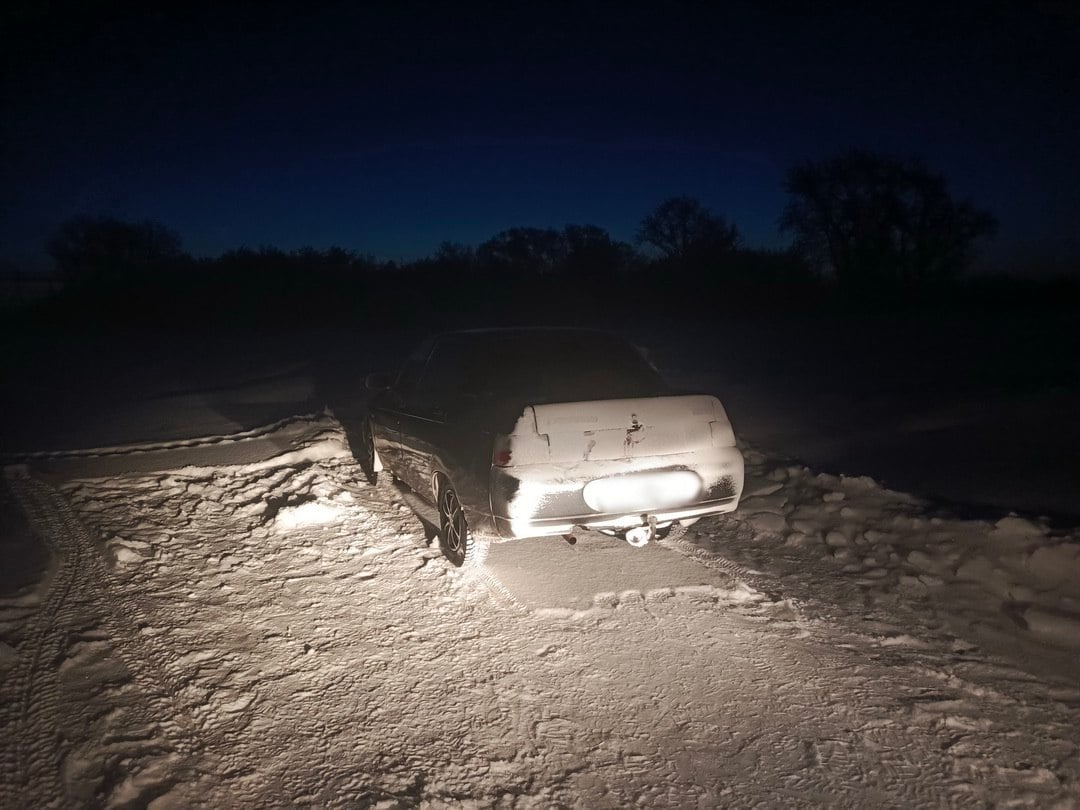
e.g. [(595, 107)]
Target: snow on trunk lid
[(628, 428)]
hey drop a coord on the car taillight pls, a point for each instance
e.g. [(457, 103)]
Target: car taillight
[(501, 455), (522, 446)]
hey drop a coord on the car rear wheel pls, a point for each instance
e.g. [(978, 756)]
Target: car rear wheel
[(367, 452), (458, 545)]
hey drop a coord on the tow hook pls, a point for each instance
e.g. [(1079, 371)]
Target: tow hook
[(641, 535)]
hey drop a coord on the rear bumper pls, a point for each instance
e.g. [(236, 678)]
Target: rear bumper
[(547, 499), (543, 527)]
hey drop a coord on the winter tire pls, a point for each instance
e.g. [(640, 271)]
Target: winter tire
[(367, 452), (458, 545)]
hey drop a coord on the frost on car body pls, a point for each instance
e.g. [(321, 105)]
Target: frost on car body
[(540, 431), (612, 464)]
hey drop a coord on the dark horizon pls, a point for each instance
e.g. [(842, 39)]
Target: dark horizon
[(390, 130)]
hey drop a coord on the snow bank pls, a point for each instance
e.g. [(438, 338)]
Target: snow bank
[(322, 449), (296, 440), (307, 514), (1057, 627), (1014, 574)]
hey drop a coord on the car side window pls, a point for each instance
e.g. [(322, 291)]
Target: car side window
[(441, 380), (413, 369)]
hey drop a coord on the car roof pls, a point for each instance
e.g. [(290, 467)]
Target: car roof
[(500, 332)]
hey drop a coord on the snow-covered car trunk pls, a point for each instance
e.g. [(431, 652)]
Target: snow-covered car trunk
[(614, 465)]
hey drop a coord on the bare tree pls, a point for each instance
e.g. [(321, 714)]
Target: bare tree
[(875, 220), (532, 250), (591, 252), (681, 227), (104, 247)]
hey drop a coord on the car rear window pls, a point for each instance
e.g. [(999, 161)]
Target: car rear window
[(554, 367)]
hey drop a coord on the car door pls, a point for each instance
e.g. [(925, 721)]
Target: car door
[(386, 411), (422, 427)]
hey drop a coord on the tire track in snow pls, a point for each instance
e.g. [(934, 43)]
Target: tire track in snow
[(178, 444), (77, 561), (31, 691), (119, 617), (496, 589), (189, 607), (754, 579)]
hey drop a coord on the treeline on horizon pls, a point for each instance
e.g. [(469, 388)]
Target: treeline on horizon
[(868, 232)]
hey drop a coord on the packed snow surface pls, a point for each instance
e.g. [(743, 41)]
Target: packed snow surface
[(243, 621)]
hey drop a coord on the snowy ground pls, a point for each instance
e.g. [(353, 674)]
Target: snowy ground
[(241, 621)]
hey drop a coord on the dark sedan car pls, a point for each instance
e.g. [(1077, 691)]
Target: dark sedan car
[(513, 433)]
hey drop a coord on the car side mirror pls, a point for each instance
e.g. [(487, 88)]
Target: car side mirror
[(378, 381)]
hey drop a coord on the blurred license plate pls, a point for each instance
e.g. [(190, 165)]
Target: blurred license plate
[(642, 492)]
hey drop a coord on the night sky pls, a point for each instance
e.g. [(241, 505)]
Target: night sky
[(391, 128)]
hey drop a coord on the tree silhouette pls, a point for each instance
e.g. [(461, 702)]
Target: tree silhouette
[(592, 253), (103, 248), (454, 255), (681, 227), (531, 250), (879, 223)]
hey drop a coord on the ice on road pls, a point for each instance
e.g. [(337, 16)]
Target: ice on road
[(278, 633)]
